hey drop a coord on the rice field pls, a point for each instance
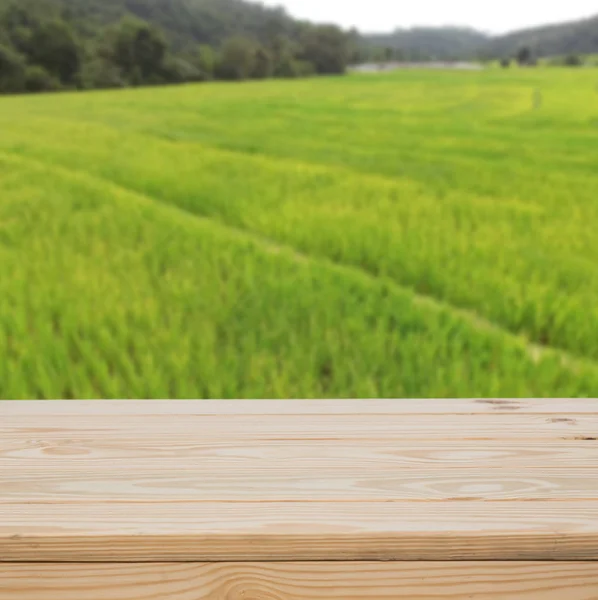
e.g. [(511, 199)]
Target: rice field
[(412, 234)]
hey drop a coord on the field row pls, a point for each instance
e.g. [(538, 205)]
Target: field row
[(153, 243), (109, 294)]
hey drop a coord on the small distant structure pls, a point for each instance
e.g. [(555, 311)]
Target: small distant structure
[(395, 66)]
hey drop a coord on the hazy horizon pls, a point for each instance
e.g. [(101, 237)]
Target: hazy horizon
[(376, 16)]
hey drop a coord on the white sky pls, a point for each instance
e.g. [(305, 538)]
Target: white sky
[(385, 15)]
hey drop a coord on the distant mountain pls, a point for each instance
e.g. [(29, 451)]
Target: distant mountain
[(445, 43), (579, 37), (422, 43), (192, 22)]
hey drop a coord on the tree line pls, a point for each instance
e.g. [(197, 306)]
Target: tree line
[(45, 52), (525, 57)]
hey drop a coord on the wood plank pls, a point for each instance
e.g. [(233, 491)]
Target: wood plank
[(300, 456), (297, 407), (492, 484), (152, 483), (302, 581), (255, 531), (351, 428)]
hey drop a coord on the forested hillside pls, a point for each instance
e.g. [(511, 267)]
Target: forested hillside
[(579, 37), (451, 43), (424, 43), (53, 44), (183, 21), (85, 44)]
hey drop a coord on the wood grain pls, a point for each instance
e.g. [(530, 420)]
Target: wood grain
[(298, 407), (187, 483), (246, 531), (293, 480), (299, 455), (164, 429), (302, 581)]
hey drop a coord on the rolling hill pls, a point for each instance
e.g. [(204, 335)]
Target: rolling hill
[(183, 21), (431, 42), (188, 22), (579, 37), (461, 43), (191, 22)]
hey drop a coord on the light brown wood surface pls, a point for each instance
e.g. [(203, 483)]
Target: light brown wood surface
[(349, 428), (280, 531), (281, 407), (316, 480), (302, 581)]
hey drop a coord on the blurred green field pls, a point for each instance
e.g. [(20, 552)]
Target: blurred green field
[(416, 234)]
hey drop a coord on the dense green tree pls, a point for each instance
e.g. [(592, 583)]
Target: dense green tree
[(287, 68), (206, 61), (17, 23), (12, 71), (263, 66), (524, 56), (326, 47), (283, 51), (37, 79), (54, 47), (203, 58), (573, 60), (178, 70), (138, 49), (285, 62), (237, 58), (303, 68), (102, 74)]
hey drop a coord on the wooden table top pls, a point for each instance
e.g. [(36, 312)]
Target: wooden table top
[(299, 480)]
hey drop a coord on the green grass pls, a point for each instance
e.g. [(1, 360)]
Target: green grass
[(418, 234)]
